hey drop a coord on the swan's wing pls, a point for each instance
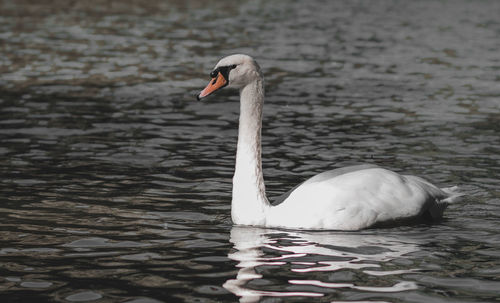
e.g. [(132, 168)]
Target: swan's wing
[(322, 177), (278, 200), (358, 197)]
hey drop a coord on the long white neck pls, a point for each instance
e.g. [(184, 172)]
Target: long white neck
[(249, 204)]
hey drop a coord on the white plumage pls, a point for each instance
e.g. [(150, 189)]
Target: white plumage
[(350, 198)]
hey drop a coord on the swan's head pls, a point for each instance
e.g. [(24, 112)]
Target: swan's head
[(232, 71)]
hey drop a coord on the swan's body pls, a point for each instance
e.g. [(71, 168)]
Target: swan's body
[(348, 198)]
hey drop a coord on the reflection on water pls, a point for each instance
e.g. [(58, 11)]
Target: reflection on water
[(305, 252), (115, 183)]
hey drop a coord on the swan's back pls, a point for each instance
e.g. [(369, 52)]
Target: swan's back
[(357, 197), (321, 177)]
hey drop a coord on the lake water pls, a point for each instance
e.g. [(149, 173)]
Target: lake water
[(116, 183)]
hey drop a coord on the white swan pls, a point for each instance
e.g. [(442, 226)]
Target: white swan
[(349, 198)]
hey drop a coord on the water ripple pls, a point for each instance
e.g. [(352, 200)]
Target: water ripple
[(116, 183)]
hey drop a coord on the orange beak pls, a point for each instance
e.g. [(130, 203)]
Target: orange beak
[(215, 84)]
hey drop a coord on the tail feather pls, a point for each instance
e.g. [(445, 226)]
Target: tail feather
[(440, 198), (453, 194)]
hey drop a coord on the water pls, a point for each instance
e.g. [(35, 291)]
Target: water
[(116, 184)]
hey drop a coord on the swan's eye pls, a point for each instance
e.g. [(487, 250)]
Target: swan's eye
[(233, 66), (214, 73)]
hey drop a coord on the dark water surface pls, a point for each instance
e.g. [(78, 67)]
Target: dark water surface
[(116, 184)]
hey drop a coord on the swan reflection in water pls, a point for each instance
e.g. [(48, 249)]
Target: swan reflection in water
[(296, 252)]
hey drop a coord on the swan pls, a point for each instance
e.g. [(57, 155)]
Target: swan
[(349, 198)]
